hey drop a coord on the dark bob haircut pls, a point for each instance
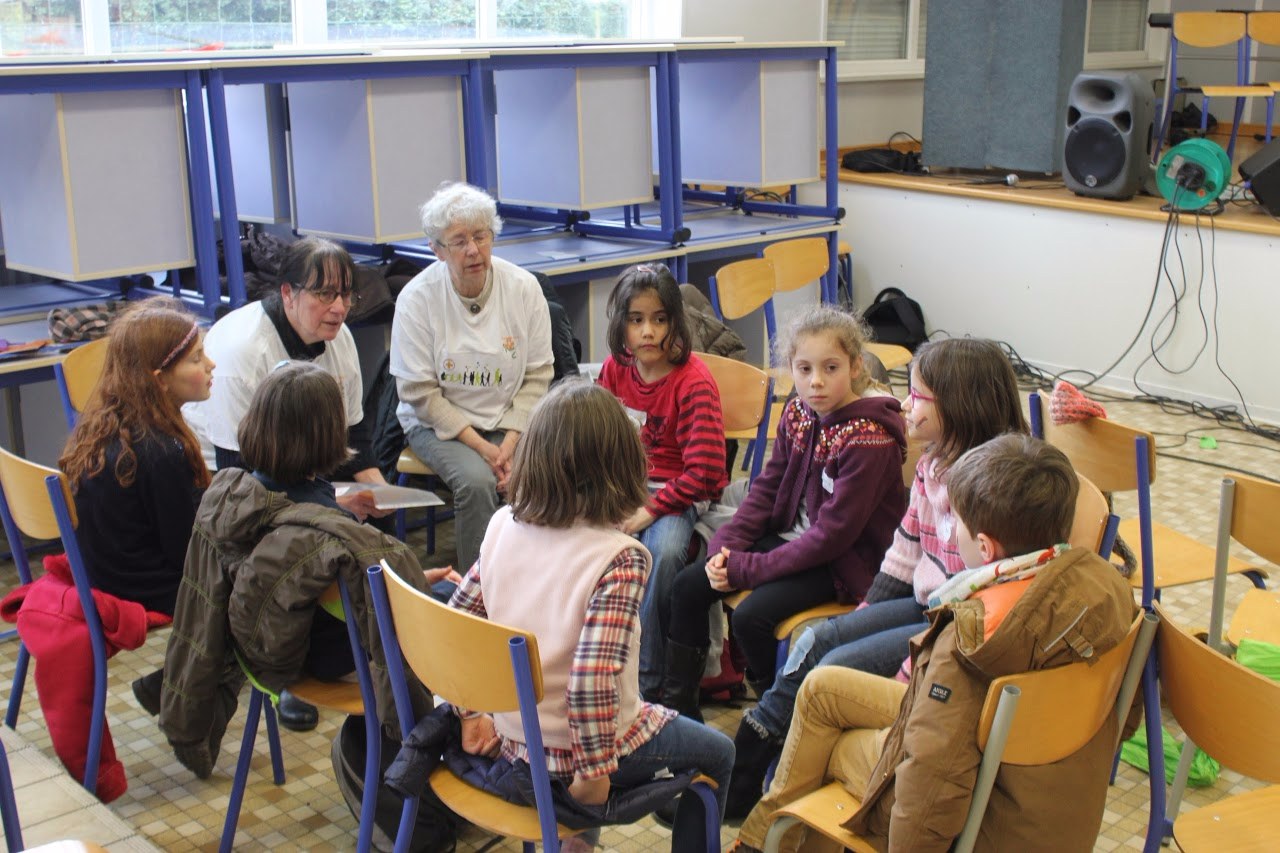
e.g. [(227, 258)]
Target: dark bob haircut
[(296, 426)]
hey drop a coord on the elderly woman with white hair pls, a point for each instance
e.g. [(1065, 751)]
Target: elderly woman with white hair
[(471, 353)]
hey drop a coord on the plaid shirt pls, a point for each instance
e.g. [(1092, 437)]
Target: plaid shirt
[(613, 615)]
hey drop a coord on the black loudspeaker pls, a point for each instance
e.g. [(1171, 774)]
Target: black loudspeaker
[(1262, 171), (1109, 118)]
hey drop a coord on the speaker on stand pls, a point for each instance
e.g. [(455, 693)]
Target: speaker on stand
[(1109, 120)]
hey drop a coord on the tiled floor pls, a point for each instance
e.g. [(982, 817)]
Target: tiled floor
[(174, 811)]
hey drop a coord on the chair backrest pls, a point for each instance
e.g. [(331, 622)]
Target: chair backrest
[(27, 496), (448, 649), (1091, 518), (798, 262), (1209, 29), (1264, 28), (1255, 516), (1077, 698), (744, 391), (1099, 449), (1227, 710), (78, 376), (743, 286)]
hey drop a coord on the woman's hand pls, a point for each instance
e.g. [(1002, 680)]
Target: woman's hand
[(639, 520), (372, 476), (361, 504), (591, 792), (506, 453), (480, 737), (434, 576), (718, 571)]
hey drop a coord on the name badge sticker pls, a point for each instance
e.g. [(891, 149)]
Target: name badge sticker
[(828, 483)]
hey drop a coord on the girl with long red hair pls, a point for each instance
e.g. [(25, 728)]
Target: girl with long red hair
[(133, 463)]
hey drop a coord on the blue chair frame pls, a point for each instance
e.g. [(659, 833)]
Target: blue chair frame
[(55, 485), (9, 805), (261, 704), (522, 664)]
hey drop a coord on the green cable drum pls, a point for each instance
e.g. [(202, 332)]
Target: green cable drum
[(1206, 169)]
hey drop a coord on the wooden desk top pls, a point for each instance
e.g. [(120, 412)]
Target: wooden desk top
[(1252, 218)]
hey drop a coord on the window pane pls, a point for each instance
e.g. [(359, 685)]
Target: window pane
[(40, 26), (922, 29), (401, 19), (870, 29), (1117, 25), (184, 24), (585, 18)]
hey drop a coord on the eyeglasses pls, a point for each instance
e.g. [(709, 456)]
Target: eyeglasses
[(328, 295), (480, 238), (916, 397)]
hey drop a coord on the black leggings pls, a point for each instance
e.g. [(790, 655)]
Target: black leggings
[(329, 657), (755, 619)]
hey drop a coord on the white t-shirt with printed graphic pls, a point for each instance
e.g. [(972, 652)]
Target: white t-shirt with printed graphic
[(478, 360)]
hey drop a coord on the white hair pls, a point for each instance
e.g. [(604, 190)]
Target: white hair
[(458, 203)]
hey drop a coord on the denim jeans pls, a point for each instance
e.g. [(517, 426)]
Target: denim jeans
[(842, 719), (873, 639), (668, 541), (683, 744), (469, 477)]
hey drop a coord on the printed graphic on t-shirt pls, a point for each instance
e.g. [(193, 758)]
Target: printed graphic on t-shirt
[(474, 370), (652, 431)]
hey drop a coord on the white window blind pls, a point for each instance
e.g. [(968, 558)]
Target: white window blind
[(1117, 26), (877, 29)]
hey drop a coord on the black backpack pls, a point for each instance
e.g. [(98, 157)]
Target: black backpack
[(436, 827), (896, 318)]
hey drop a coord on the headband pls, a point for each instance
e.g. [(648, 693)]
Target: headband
[(182, 345)]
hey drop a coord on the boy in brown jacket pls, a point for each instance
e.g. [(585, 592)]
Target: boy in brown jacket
[(909, 752)]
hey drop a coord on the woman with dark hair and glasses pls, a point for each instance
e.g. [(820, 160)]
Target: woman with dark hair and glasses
[(305, 320), (471, 353)]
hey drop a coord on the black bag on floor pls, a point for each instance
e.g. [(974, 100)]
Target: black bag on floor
[(436, 829), (896, 318)]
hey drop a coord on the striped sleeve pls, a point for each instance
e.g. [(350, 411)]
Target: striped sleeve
[(700, 436), (613, 615)]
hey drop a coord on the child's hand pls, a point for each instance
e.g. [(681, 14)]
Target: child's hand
[(445, 573), (592, 792), (718, 571), (479, 737), (639, 520)]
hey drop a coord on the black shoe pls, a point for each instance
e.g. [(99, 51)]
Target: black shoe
[(680, 684), (667, 814), (753, 753), (296, 715), (147, 691)]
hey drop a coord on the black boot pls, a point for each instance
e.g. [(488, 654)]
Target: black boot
[(296, 715), (147, 691), (754, 753), (682, 678)]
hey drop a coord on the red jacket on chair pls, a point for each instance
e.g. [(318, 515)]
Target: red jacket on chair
[(51, 624)]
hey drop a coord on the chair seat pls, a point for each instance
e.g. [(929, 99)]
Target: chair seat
[(342, 696), (784, 629), (826, 810), (1237, 91), (487, 811), (1257, 618), (891, 356), (1178, 558), (1245, 822), (409, 463)]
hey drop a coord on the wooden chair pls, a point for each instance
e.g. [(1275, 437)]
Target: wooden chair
[(410, 465), (1210, 30), (35, 501), (1248, 512), (356, 699), (1104, 451), (1029, 719), (1230, 713), (446, 648), (745, 395), (78, 376)]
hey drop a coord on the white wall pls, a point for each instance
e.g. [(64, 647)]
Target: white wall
[(755, 20), (1069, 289)]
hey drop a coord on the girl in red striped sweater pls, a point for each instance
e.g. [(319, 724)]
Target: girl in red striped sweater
[(673, 399)]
